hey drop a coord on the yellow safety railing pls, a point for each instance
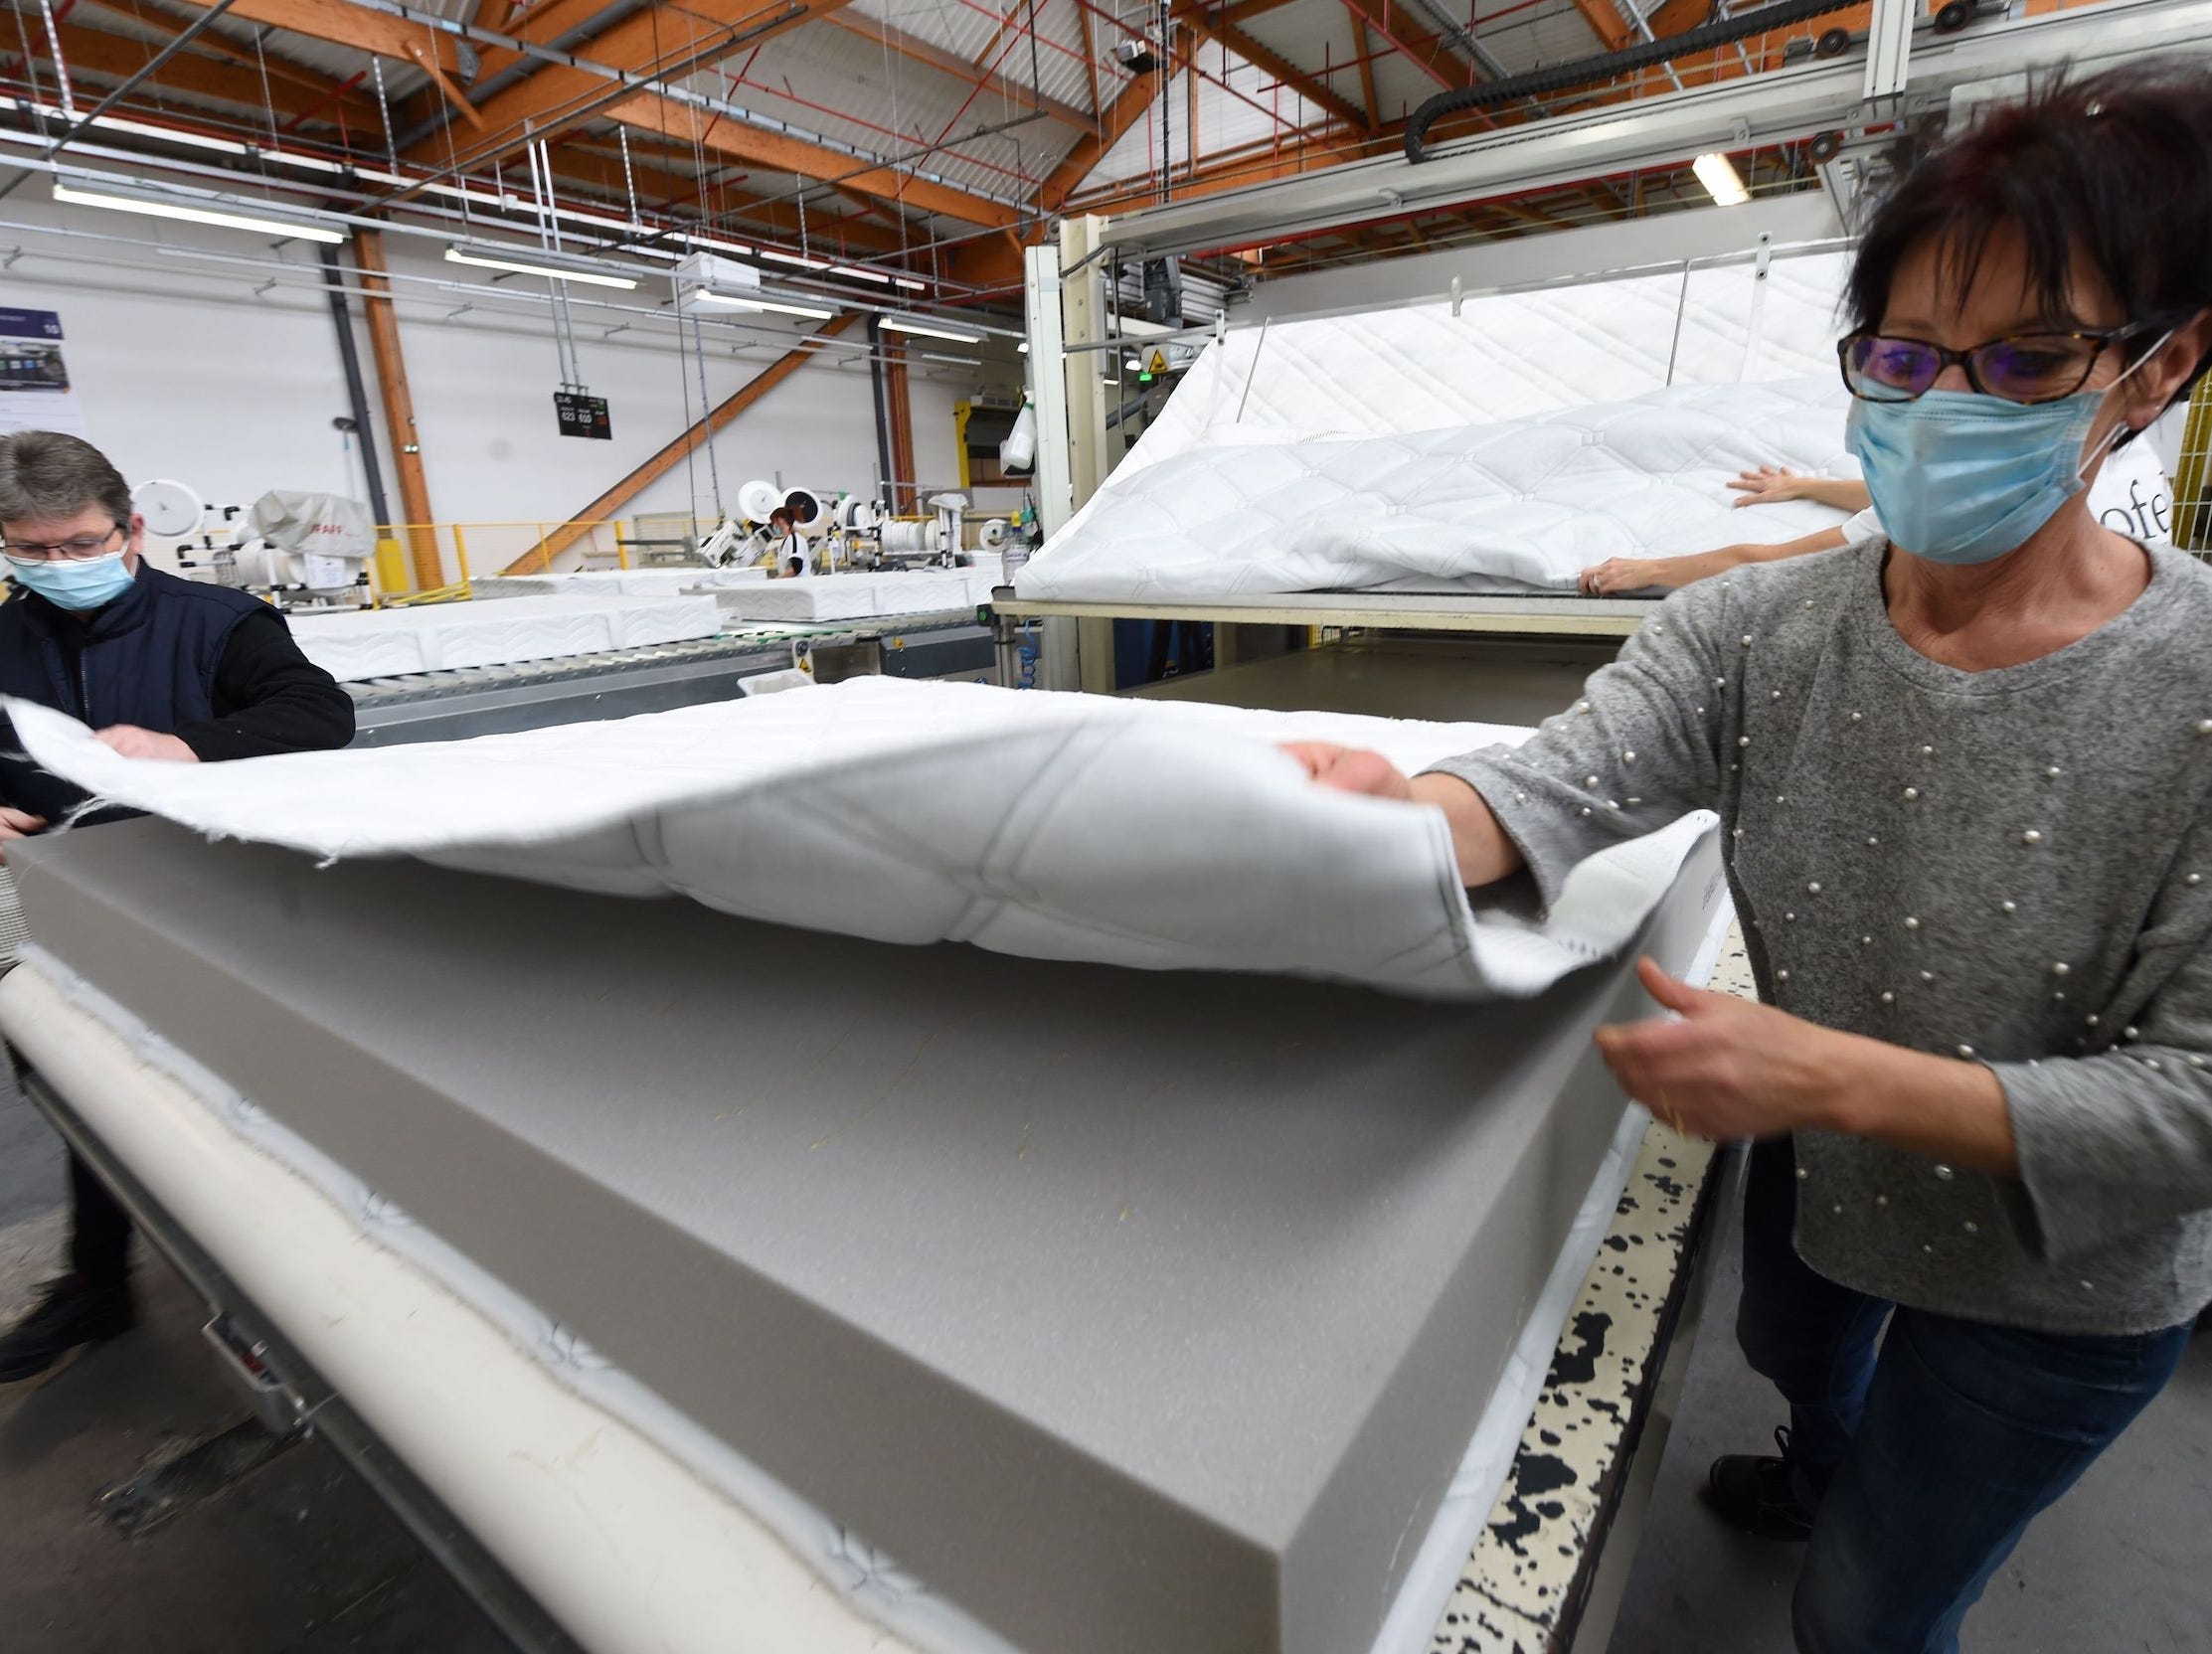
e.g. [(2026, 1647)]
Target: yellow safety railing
[(463, 550)]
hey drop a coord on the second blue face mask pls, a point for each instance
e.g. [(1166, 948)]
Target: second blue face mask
[(86, 584), (1961, 477)]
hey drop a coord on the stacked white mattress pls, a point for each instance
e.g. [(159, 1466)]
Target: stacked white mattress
[(1512, 505), (1496, 379), (443, 637), (613, 583), (858, 596)]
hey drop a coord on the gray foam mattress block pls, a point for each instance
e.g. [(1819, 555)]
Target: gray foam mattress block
[(1130, 1310)]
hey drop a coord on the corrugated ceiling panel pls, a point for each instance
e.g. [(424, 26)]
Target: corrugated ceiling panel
[(810, 79), (1237, 105), (1542, 37), (1401, 85), (993, 35), (1317, 35)]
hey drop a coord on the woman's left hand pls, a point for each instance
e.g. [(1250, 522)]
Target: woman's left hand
[(1627, 573), (1729, 1067)]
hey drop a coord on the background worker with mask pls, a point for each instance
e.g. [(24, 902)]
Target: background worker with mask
[(161, 668)]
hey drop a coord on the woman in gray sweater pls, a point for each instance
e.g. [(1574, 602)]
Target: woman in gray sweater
[(1966, 778)]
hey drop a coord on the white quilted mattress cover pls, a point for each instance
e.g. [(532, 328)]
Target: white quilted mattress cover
[(613, 583), (859, 597), (395, 642), (1505, 358), (1523, 504), (1147, 834)]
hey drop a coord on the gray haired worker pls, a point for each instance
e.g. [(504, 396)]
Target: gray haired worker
[(161, 668)]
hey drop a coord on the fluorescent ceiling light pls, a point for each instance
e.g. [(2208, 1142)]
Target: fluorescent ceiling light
[(555, 267), (155, 205), (748, 301), (1718, 174), (854, 271), (910, 282), (794, 258), (718, 244), (933, 330)]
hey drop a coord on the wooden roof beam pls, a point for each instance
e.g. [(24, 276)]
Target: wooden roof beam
[(1425, 50), (555, 99), (117, 57), (1264, 57), (430, 50), (754, 146)]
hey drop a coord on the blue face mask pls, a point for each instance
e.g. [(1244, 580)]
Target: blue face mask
[(1961, 477), (77, 585)]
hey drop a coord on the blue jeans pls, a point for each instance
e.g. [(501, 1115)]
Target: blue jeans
[(1924, 1454)]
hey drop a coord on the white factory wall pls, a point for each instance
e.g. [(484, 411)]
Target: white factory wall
[(182, 371)]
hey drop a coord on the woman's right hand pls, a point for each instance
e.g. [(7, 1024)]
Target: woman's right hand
[(1769, 485), (1478, 843), (1351, 769)]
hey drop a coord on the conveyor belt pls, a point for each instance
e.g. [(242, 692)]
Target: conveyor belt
[(622, 683)]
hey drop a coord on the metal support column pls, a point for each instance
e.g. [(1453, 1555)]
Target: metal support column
[(1048, 397), (1083, 307), (1888, 49)]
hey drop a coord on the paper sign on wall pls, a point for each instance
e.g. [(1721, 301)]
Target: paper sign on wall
[(35, 389)]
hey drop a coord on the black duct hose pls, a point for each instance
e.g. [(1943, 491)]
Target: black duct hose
[(357, 391), (1539, 82)]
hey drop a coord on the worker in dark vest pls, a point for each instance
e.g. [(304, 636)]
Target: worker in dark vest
[(161, 668)]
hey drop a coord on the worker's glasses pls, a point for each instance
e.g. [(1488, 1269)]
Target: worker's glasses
[(2027, 367), (76, 550)]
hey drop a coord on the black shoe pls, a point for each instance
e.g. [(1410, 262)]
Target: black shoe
[(70, 1311), (1758, 1494)]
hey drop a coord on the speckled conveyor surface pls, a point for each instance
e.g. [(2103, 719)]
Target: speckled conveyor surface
[(1094, 1309), (1052, 826)]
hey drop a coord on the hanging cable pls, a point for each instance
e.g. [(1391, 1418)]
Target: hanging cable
[(706, 419), (61, 63), (630, 181), (391, 142)]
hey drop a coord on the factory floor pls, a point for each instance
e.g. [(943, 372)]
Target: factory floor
[(294, 1554)]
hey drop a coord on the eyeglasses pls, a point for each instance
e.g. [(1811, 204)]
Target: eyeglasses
[(81, 546), (2026, 367)]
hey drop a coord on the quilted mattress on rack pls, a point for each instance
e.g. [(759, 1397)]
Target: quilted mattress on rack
[(1147, 834), (858, 596), (445, 637), (1506, 505), (613, 583)]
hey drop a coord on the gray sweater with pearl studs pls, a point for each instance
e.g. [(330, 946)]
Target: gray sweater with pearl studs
[(2003, 866)]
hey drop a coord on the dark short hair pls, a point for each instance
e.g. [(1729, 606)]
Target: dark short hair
[(2114, 167), (48, 477)]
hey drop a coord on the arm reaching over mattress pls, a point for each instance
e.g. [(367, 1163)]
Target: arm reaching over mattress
[(1777, 484), (1636, 753), (1618, 576)]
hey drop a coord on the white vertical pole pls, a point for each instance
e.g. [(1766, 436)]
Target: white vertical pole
[(1889, 47)]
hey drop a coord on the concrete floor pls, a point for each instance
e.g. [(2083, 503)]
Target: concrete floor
[(295, 1557), (2123, 1562)]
